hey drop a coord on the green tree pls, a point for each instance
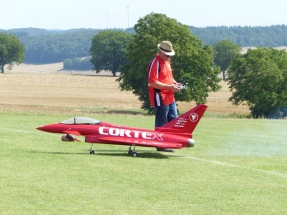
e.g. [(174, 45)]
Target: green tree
[(192, 63), (224, 53), (259, 79), (11, 51), (108, 49)]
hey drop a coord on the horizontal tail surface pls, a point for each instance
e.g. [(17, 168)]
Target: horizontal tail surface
[(185, 123)]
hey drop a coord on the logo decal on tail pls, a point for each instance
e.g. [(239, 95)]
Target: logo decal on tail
[(193, 117)]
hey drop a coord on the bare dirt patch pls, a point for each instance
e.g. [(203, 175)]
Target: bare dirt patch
[(48, 89)]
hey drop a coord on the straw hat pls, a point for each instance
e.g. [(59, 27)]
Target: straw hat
[(166, 48)]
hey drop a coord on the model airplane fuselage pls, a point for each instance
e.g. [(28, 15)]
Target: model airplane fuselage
[(174, 135)]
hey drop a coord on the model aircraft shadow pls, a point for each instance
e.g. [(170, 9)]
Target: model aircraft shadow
[(140, 154), (61, 153), (115, 153)]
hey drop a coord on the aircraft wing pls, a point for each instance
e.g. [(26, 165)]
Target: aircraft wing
[(148, 143)]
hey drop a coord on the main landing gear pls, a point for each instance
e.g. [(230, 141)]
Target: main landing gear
[(132, 152), (91, 150)]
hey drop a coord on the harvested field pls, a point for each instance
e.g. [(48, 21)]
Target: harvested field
[(49, 89)]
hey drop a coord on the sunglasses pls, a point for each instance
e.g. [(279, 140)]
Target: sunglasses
[(165, 54)]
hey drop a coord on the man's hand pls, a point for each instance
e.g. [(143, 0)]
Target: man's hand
[(176, 87), (172, 87)]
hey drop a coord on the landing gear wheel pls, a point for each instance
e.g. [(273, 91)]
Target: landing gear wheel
[(92, 152), (132, 152)]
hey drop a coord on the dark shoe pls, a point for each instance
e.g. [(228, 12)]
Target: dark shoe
[(164, 150)]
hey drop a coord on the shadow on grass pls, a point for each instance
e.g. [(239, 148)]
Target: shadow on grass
[(140, 154), (114, 153)]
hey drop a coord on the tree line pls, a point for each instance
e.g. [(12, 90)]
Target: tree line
[(49, 46), (269, 36)]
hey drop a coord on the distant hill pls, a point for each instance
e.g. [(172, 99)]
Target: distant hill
[(269, 36), (34, 32), (54, 45)]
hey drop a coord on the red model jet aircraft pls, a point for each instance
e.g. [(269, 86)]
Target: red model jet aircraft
[(174, 135)]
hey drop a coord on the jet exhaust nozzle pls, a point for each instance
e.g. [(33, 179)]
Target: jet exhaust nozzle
[(190, 143)]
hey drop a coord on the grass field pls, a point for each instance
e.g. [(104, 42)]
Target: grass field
[(238, 166)]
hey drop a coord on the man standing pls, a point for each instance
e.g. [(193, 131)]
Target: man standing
[(161, 85)]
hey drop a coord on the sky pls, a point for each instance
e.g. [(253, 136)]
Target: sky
[(103, 14)]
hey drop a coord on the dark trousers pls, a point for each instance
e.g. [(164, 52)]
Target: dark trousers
[(165, 114)]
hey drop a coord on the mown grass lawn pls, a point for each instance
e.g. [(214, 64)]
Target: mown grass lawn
[(238, 166)]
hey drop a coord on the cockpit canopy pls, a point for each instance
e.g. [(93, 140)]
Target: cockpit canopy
[(81, 121)]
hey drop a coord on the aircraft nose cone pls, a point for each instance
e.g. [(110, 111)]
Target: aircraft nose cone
[(190, 143), (39, 128)]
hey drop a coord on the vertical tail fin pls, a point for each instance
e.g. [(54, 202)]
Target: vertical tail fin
[(185, 123)]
